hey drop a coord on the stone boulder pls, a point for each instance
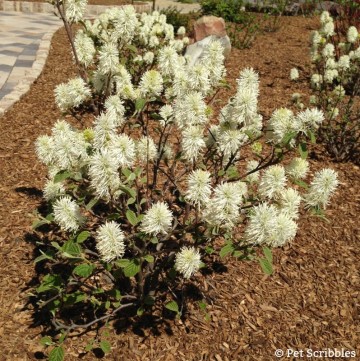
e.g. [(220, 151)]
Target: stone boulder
[(209, 25)]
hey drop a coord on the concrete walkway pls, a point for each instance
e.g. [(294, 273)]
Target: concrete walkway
[(25, 39), (24, 46)]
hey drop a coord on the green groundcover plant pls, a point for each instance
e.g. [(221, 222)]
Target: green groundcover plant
[(336, 84), (139, 202)]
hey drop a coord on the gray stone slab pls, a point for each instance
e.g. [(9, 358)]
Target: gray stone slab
[(5, 68), (24, 63)]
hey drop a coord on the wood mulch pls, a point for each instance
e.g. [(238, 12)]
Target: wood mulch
[(311, 301)]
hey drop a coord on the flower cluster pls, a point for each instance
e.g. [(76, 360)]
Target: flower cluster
[(335, 83), (158, 162)]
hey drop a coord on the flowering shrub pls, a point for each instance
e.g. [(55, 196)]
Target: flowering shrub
[(137, 200), (336, 84)]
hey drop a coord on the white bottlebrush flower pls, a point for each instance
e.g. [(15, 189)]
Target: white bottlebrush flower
[(187, 261), (108, 58), (294, 74), (146, 149), (289, 202), (104, 127), (281, 123), (153, 41), (273, 181), (284, 231), (113, 104), (309, 119), (122, 148), (199, 187), (321, 188), (70, 147), (352, 34), (67, 214), (104, 175), (329, 29), (149, 57), (53, 190), (249, 79), (151, 84), (344, 62), (328, 51), (298, 168), (157, 219), (167, 59), (262, 222), (192, 142), (316, 80), (45, 149), (71, 94), (190, 109), (250, 166), (269, 227), (339, 91), (166, 112), (315, 38), (330, 75), (230, 141), (181, 31), (325, 17), (75, 10), (198, 76), (85, 48), (330, 63), (110, 241)]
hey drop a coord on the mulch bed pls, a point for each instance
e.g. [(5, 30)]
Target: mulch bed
[(311, 301)]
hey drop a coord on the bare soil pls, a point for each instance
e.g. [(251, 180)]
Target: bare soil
[(311, 301)]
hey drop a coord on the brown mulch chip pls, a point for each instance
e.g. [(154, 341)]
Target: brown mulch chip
[(311, 301)]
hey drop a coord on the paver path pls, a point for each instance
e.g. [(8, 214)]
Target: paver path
[(24, 45)]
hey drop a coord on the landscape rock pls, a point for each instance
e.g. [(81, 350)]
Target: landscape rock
[(209, 25)]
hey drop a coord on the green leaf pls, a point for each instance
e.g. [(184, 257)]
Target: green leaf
[(149, 258), (84, 270), (268, 254), (122, 263), (91, 204), (172, 306), (131, 217), (232, 172), (130, 201), (227, 249), (312, 137), (288, 137), (266, 266), (130, 192), (202, 305), (62, 175), (44, 255), (71, 249), (132, 269), (83, 236), (140, 103), (303, 150), (89, 346), (49, 282), (209, 250), (38, 223), (301, 183), (72, 298), (46, 341), (105, 346), (57, 354), (149, 300), (140, 311), (126, 172)]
